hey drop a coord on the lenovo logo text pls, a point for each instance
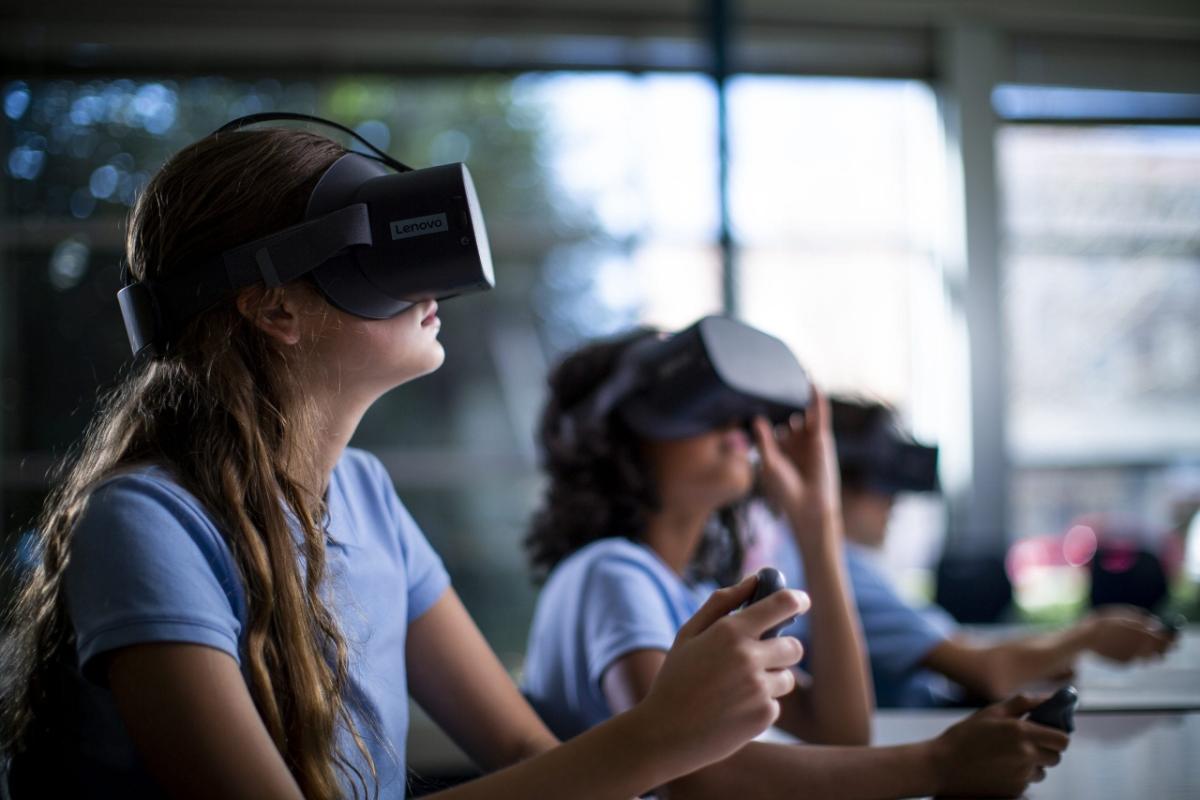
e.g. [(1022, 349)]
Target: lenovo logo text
[(419, 226)]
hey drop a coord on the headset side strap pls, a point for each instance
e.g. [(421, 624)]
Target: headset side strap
[(285, 256), (143, 323)]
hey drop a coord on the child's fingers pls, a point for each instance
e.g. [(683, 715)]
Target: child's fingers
[(818, 410), (780, 682), (1019, 704), (719, 604), (1047, 738), (779, 653), (769, 612)]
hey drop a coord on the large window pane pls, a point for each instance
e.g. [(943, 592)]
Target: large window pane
[(836, 208), (1102, 289), (1102, 296)]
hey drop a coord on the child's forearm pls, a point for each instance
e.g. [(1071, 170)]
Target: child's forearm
[(621, 758), (995, 671), (761, 771), (1036, 658), (842, 698)]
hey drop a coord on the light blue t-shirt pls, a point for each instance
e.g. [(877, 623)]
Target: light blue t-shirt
[(148, 564), (897, 636), (606, 600)]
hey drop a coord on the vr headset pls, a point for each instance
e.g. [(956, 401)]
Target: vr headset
[(882, 457), (377, 236), (715, 372)]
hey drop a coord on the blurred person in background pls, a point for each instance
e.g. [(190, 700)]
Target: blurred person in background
[(919, 657)]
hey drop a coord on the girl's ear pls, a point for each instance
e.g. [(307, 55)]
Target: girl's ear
[(275, 311)]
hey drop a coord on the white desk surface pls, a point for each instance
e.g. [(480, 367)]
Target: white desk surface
[(1144, 756), (1172, 684), (1150, 749)]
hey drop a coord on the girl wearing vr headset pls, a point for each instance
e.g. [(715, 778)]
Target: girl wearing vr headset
[(636, 527), (913, 652), (233, 603)]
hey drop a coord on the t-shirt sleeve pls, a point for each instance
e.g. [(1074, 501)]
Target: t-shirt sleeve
[(626, 608), (147, 565), (426, 575), (898, 636)]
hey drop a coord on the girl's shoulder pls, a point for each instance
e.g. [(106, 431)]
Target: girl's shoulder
[(149, 564), (613, 548), (361, 473), (618, 557), (365, 505), (362, 463), (134, 486), (148, 503)]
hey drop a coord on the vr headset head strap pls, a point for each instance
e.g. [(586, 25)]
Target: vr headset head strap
[(284, 256), (626, 378), (280, 116), (273, 260)]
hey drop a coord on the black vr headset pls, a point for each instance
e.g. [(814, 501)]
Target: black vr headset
[(377, 236), (715, 372), (878, 453)]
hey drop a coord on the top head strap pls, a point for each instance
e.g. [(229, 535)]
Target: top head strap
[(285, 116)]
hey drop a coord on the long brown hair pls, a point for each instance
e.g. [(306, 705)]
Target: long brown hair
[(223, 411)]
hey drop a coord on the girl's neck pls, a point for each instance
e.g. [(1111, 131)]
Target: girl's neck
[(674, 533), (341, 417)]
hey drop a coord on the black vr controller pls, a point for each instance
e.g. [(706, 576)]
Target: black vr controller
[(1058, 711), (770, 581), (1174, 624), (715, 372), (376, 237)]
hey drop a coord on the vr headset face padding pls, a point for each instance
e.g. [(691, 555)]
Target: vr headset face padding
[(428, 238), (715, 372)]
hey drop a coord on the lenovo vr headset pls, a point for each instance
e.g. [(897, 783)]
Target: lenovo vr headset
[(376, 237), (879, 455), (715, 372)]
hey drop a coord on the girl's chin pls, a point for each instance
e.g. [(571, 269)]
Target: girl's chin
[(436, 357), (736, 489), (431, 360)]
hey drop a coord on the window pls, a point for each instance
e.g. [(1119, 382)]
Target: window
[(836, 206), (1101, 291)]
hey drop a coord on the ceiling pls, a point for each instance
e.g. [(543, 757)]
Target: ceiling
[(889, 36)]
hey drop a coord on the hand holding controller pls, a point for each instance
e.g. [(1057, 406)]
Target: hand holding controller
[(770, 580), (1058, 711)]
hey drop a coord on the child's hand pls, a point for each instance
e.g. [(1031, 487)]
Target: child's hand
[(800, 471), (720, 683), (1124, 634), (995, 753)]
